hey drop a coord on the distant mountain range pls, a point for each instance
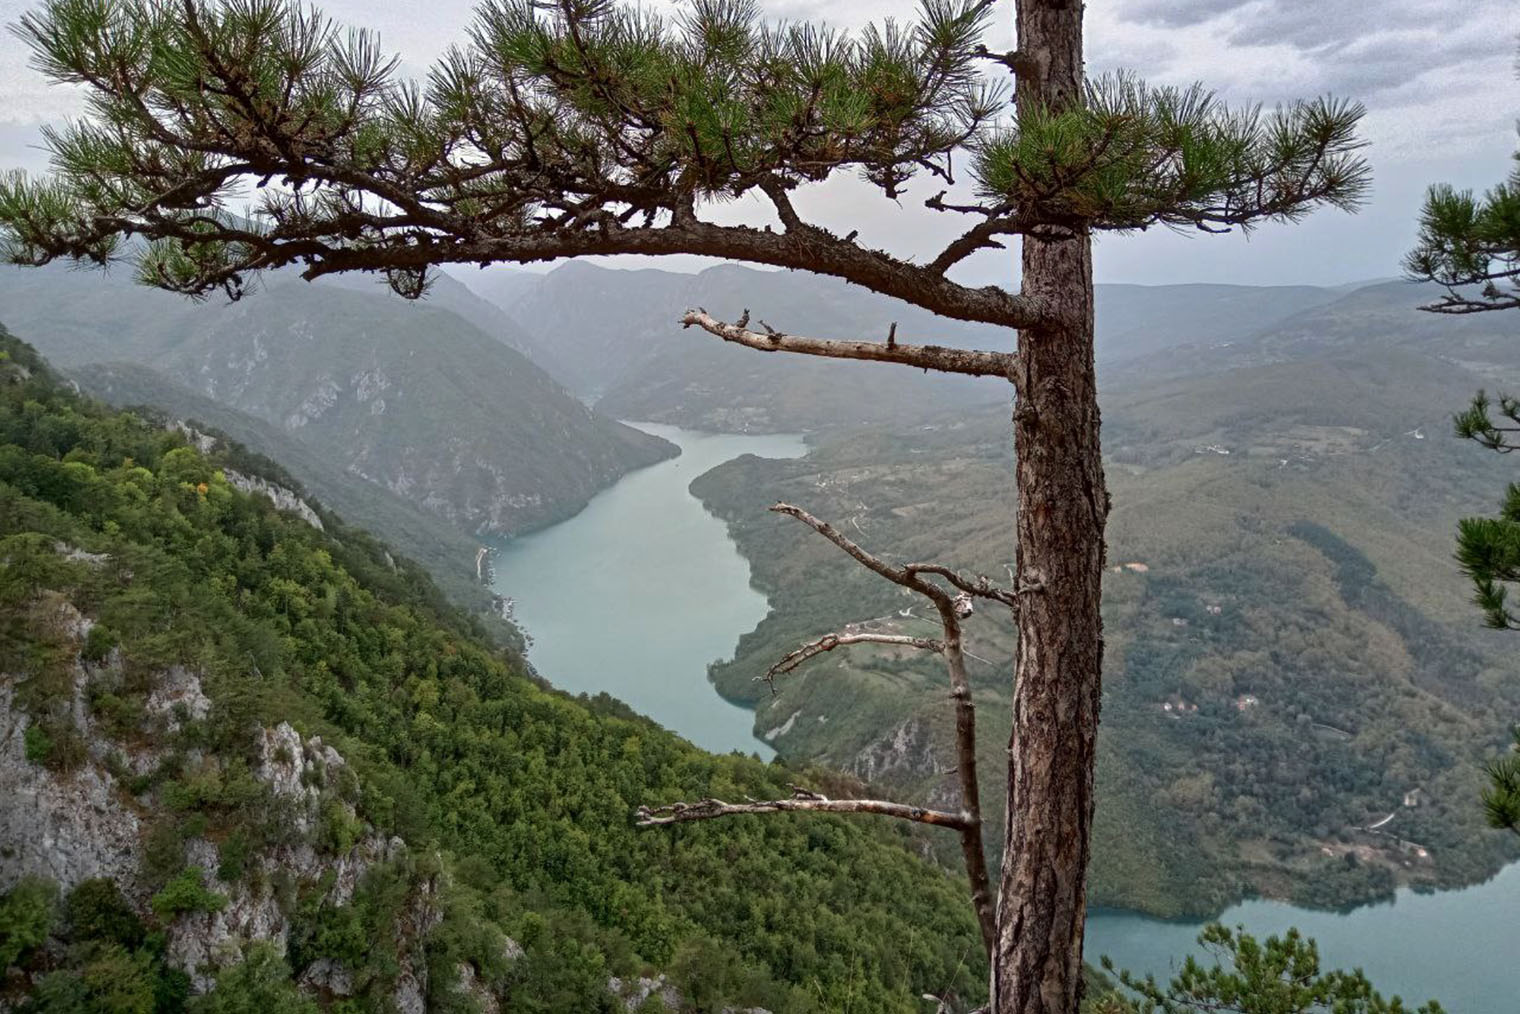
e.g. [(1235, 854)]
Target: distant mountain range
[(430, 401), (612, 336), (1291, 651)]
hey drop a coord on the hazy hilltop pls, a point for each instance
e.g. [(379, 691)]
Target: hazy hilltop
[(612, 336), (1291, 653), (1364, 322), (412, 397)]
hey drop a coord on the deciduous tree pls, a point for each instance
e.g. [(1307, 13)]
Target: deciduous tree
[(232, 137)]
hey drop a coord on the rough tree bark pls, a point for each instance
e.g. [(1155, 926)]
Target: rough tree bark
[(1062, 507)]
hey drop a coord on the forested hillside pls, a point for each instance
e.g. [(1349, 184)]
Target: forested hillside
[(414, 398), (450, 555), (265, 759), (1298, 699)]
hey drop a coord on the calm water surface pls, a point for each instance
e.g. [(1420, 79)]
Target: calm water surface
[(636, 594), (640, 591), (1459, 947)]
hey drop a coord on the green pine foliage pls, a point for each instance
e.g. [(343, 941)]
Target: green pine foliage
[(605, 119), (524, 795), (1501, 801), (1470, 245), (1174, 156), (1246, 976), (1488, 548)]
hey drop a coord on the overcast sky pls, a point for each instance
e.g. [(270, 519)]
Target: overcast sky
[(1437, 77)]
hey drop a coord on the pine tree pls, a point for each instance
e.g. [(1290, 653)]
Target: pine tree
[(1471, 247), (227, 138), (1281, 975)]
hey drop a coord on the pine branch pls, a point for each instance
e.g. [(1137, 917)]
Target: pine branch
[(952, 610), (1132, 156), (1470, 247), (1501, 800), (978, 585), (559, 130), (982, 236)]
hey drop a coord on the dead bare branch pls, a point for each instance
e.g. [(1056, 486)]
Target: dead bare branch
[(953, 605), (979, 585), (828, 642), (1015, 61), (928, 357), (801, 801), (952, 609), (983, 236)]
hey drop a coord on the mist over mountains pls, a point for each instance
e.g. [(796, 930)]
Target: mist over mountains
[(416, 398), (611, 336)]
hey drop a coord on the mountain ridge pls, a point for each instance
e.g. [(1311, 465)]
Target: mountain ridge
[(612, 336), (285, 771), (401, 394)]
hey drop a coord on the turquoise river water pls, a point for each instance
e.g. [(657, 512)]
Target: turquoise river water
[(635, 596)]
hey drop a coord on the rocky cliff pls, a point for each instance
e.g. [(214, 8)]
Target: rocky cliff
[(88, 822)]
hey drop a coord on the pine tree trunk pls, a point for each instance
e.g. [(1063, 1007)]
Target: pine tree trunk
[(1063, 504)]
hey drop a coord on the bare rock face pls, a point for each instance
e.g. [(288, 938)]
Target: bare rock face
[(283, 499), (178, 691), (65, 827), (299, 773), (327, 976), (417, 921), (905, 754), (635, 993), (73, 826), (479, 993), (201, 943)]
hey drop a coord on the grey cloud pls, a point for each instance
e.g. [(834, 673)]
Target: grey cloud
[(1385, 64), (1357, 48), (1318, 26), (1179, 13)]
